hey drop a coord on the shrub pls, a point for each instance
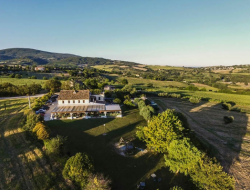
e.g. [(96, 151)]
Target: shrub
[(128, 102), (55, 146), (33, 77), (194, 100), (98, 182), (192, 88), (31, 121), (44, 78), (78, 168), (174, 95), (226, 106), (176, 188), (18, 76), (41, 131), (228, 119), (117, 101), (150, 85), (163, 94), (11, 75)]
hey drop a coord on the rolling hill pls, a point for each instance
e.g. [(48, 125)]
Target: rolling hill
[(27, 56)]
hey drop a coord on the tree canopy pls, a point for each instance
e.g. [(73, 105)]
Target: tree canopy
[(161, 130), (78, 168)]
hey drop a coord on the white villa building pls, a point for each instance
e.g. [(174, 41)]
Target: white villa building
[(81, 104)]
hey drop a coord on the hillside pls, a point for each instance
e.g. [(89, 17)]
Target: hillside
[(14, 53), (26, 56)]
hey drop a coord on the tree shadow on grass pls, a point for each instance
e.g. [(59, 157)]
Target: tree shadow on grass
[(125, 172)]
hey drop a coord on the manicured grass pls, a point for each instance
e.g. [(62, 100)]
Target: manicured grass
[(21, 81), (125, 172)]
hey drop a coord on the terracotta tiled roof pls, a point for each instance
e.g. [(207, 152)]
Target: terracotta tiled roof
[(73, 95)]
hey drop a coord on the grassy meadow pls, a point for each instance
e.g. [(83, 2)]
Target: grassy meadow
[(23, 164)]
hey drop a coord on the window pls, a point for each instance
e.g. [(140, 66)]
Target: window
[(73, 101), (78, 101), (83, 101), (63, 102), (99, 98), (68, 101)]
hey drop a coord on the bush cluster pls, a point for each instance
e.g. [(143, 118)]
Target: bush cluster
[(228, 119), (226, 106), (170, 95), (194, 100)]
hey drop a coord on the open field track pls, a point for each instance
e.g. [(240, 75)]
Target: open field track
[(230, 143), (23, 164)]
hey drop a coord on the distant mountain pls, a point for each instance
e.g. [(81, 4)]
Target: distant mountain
[(26, 52), (32, 56)]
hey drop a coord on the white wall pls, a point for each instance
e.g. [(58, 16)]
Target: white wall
[(67, 102), (99, 96)]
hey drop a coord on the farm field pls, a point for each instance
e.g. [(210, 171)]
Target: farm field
[(125, 171), (23, 165), (21, 81), (105, 67), (157, 67), (144, 82), (240, 100), (229, 143), (205, 86)]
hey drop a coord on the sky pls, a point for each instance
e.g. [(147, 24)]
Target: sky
[(160, 32)]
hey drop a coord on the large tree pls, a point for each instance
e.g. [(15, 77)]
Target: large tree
[(182, 156), (161, 130), (208, 174), (53, 85), (78, 168)]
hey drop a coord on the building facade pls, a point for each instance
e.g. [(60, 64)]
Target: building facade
[(81, 104)]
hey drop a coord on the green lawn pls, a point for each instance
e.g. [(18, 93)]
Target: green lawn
[(21, 81), (125, 172)]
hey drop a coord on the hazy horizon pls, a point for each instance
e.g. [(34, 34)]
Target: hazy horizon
[(177, 33)]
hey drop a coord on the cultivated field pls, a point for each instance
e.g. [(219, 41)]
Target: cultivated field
[(125, 171), (104, 67), (230, 143), (205, 86), (144, 82), (23, 165), (157, 67)]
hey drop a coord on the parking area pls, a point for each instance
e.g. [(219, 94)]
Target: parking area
[(48, 112)]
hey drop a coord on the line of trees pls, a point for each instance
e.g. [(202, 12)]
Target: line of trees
[(8, 89), (168, 133)]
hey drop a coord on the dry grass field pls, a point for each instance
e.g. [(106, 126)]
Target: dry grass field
[(205, 86), (229, 143), (23, 164)]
